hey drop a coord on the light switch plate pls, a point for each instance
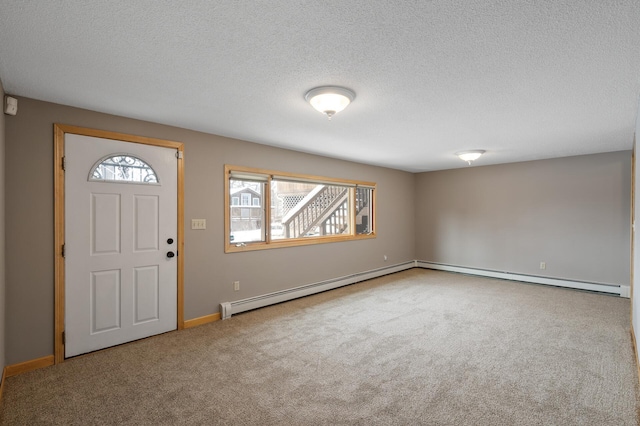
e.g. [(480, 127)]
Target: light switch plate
[(198, 223)]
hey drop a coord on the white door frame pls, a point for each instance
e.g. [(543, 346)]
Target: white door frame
[(59, 218)]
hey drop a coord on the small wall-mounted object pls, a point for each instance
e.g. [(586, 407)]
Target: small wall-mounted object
[(198, 223), (10, 105)]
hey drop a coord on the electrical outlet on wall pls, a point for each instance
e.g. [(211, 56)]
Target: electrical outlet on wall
[(543, 265), (236, 285)]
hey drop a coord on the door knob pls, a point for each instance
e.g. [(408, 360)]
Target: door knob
[(170, 241), (170, 254)]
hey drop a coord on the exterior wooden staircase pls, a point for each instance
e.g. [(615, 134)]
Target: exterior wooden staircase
[(324, 211)]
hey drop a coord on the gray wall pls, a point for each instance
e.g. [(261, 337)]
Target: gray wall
[(635, 290), (2, 232), (209, 272), (572, 213)]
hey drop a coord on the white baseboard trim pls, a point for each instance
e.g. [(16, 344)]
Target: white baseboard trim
[(617, 289), (229, 308)]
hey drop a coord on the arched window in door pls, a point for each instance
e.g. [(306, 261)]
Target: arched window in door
[(123, 168)]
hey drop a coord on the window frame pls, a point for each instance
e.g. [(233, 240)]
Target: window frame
[(232, 172)]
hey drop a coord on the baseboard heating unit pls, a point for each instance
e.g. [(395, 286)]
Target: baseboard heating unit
[(613, 289), (229, 308)]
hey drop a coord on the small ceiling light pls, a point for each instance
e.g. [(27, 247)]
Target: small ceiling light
[(470, 156), (330, 100)]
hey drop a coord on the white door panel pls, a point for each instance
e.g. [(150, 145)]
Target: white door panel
[(105, 224), (120, 285), (146, 294), (145, 223), (105, 301)]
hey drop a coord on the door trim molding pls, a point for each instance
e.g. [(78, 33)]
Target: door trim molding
[(59, 132)]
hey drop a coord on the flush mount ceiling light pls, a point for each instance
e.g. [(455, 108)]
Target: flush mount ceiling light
[(330, 100), (470, 156)]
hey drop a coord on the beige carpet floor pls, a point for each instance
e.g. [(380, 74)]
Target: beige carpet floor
[(414, 348)]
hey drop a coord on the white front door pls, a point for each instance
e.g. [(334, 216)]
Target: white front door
[(120, 242)]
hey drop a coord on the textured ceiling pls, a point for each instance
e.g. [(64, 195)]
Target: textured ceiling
[(523, 80)]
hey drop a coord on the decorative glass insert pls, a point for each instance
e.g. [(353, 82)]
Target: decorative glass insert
[(123, 168)]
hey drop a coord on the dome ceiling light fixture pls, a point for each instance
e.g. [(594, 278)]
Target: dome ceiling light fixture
[(470, 156), (330, 100)]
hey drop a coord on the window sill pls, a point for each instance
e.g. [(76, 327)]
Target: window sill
[(276, 244)]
